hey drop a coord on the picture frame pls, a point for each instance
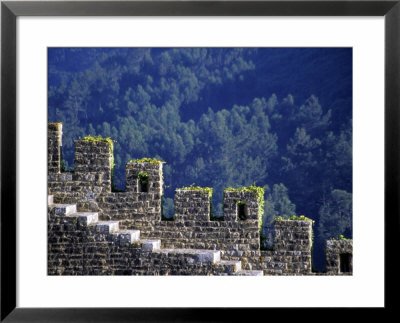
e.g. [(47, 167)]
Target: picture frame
[(10, 10)]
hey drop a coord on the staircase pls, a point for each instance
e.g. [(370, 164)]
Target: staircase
[(151, 247)]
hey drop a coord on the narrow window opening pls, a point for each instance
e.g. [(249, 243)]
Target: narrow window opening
[(241, 211), (143, 187), (167, 209), (345, 262), (143, 181)]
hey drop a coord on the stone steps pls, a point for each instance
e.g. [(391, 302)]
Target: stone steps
[(107, 227), (231, 266), (69, 210), (128, 237), (150, 245), (197, 255), (87, 218), (64, 209), (249, 273)]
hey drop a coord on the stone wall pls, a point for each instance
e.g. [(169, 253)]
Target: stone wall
[(339, 257), (234, 200), (80, 244), (192, 205), (134, 209), (192, 227), (291, 252), (76, 248), (93, 165), (54, 143), (155, 178)]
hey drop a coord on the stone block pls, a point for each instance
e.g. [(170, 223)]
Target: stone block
[(107, 227), (212, 256), (127, 237), (87, 218), (150, 245), (233, 265), (64, 209), (250, 273)]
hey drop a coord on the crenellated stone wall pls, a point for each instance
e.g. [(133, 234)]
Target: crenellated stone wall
[(89, 185), (78, 244), (192, 228)]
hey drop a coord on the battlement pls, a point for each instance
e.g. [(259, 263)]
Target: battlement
[(339, 256), (139, 208), (54, 143), (144, 177)]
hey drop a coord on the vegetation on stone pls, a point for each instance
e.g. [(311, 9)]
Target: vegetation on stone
[(98, 138), (147, 160), (220, 117), (341, 238), (143, 177), (127, 214), (205, 190), (294, 218)]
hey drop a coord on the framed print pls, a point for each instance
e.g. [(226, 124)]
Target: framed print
[(185, 141)]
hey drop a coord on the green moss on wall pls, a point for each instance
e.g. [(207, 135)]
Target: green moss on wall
[(294, 218), (205, 190), (146, 160), (143, 178)]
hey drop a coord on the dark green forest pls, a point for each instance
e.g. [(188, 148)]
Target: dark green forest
[(279, 118)]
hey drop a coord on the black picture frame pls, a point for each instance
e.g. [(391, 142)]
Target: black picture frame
[(10, 10)]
